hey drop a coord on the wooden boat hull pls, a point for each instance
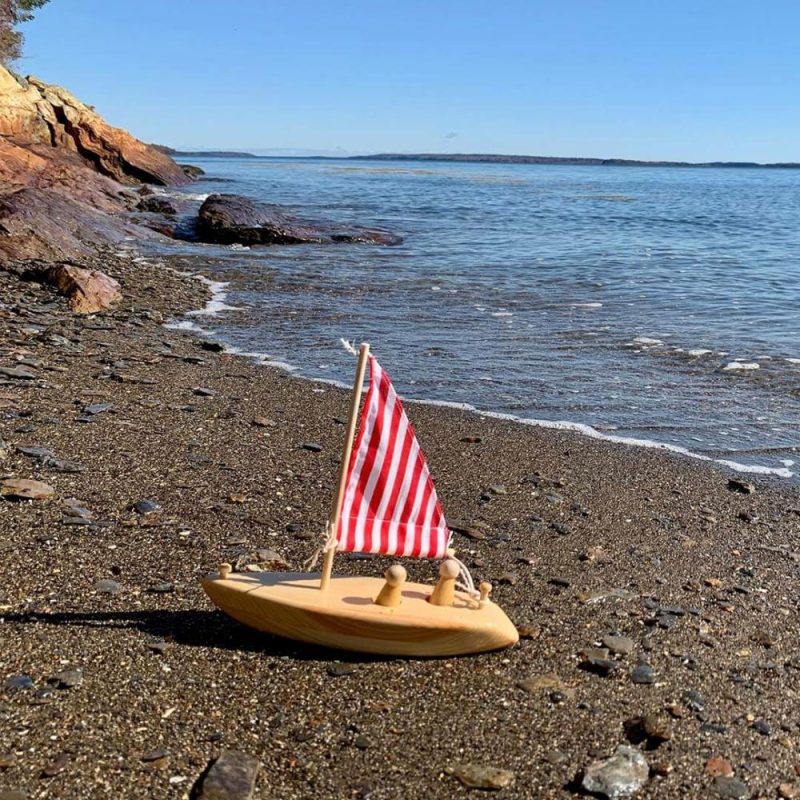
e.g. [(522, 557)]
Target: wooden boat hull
[(345, 617)]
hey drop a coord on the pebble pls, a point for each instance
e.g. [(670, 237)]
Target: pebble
[(741, 486), (144, 507), (529, 631), (731, 789), (667, 621), (202, 391), (161, 588), (18, 683), (718, 766), (482, 776), (337, 670), (694, 700), (39, 453), (76, 509), (562, 528), (643, 674), (67, 679), (108, 586), (655, 727), (762, 727), (621, 645), (154, 755), (546, 682), (17, 373), (264, 422), (25, 489), (621, 775), (595, 659), (313, 447), (231, 777), (97, 408)]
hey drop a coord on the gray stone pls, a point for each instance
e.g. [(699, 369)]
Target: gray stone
[(97, 408), (67, 679), (145, 507), (18, 683), (18, 373), (107, 586), (621, 645), (39, 453), (231, 777), (643, 674), (731, 788), (621, 775)]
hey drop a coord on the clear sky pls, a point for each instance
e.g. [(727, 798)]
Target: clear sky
[(674, 79)]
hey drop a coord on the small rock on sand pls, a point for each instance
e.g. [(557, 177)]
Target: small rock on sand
[(482, 776), (25, 489), (231, 777), (731, 788), (621, 775)]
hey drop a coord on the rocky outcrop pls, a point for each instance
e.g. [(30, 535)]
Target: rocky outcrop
[(230, 218), (36, 114), (66, 174), (47, 225)]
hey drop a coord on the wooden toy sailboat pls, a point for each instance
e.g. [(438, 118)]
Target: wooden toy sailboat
[(386, 503)]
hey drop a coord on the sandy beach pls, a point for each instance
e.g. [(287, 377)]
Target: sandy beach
[(656, 598)]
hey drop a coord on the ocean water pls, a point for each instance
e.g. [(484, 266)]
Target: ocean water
[(655, 304)]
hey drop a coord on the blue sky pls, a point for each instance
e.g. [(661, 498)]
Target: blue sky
[(696, 80)]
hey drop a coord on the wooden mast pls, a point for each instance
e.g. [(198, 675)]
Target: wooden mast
[(336, 508)]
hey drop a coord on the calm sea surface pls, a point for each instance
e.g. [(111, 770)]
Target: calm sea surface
[(655, 304)]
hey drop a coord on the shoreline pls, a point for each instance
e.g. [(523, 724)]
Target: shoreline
[(216, 305)]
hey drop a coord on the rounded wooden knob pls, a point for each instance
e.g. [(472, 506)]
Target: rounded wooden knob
[(395, 575), (224, 571), (449, 569), (485, 590)]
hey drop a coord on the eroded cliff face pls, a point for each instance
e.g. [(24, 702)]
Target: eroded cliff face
[(53, 124), (66, 174)]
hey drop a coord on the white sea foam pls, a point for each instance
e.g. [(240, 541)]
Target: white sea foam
[(647, 341), (793, 360), (186, 325), (742, 366), (586, 305), (700, 351), (216, 303)]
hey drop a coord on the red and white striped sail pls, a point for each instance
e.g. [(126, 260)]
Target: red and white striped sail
[(390, 504)]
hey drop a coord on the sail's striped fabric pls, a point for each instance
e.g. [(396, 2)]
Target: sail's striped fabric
[(390, 504)]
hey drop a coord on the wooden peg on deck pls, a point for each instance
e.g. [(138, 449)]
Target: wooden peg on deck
[(485, 590), (224, 571), (389, 595), (445, 591)]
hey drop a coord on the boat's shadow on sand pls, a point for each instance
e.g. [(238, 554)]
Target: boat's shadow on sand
[(190, 628)]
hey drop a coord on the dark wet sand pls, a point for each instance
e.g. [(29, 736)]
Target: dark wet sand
[(674, 536)]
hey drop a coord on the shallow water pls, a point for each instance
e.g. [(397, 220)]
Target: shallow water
[(653, 303)]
